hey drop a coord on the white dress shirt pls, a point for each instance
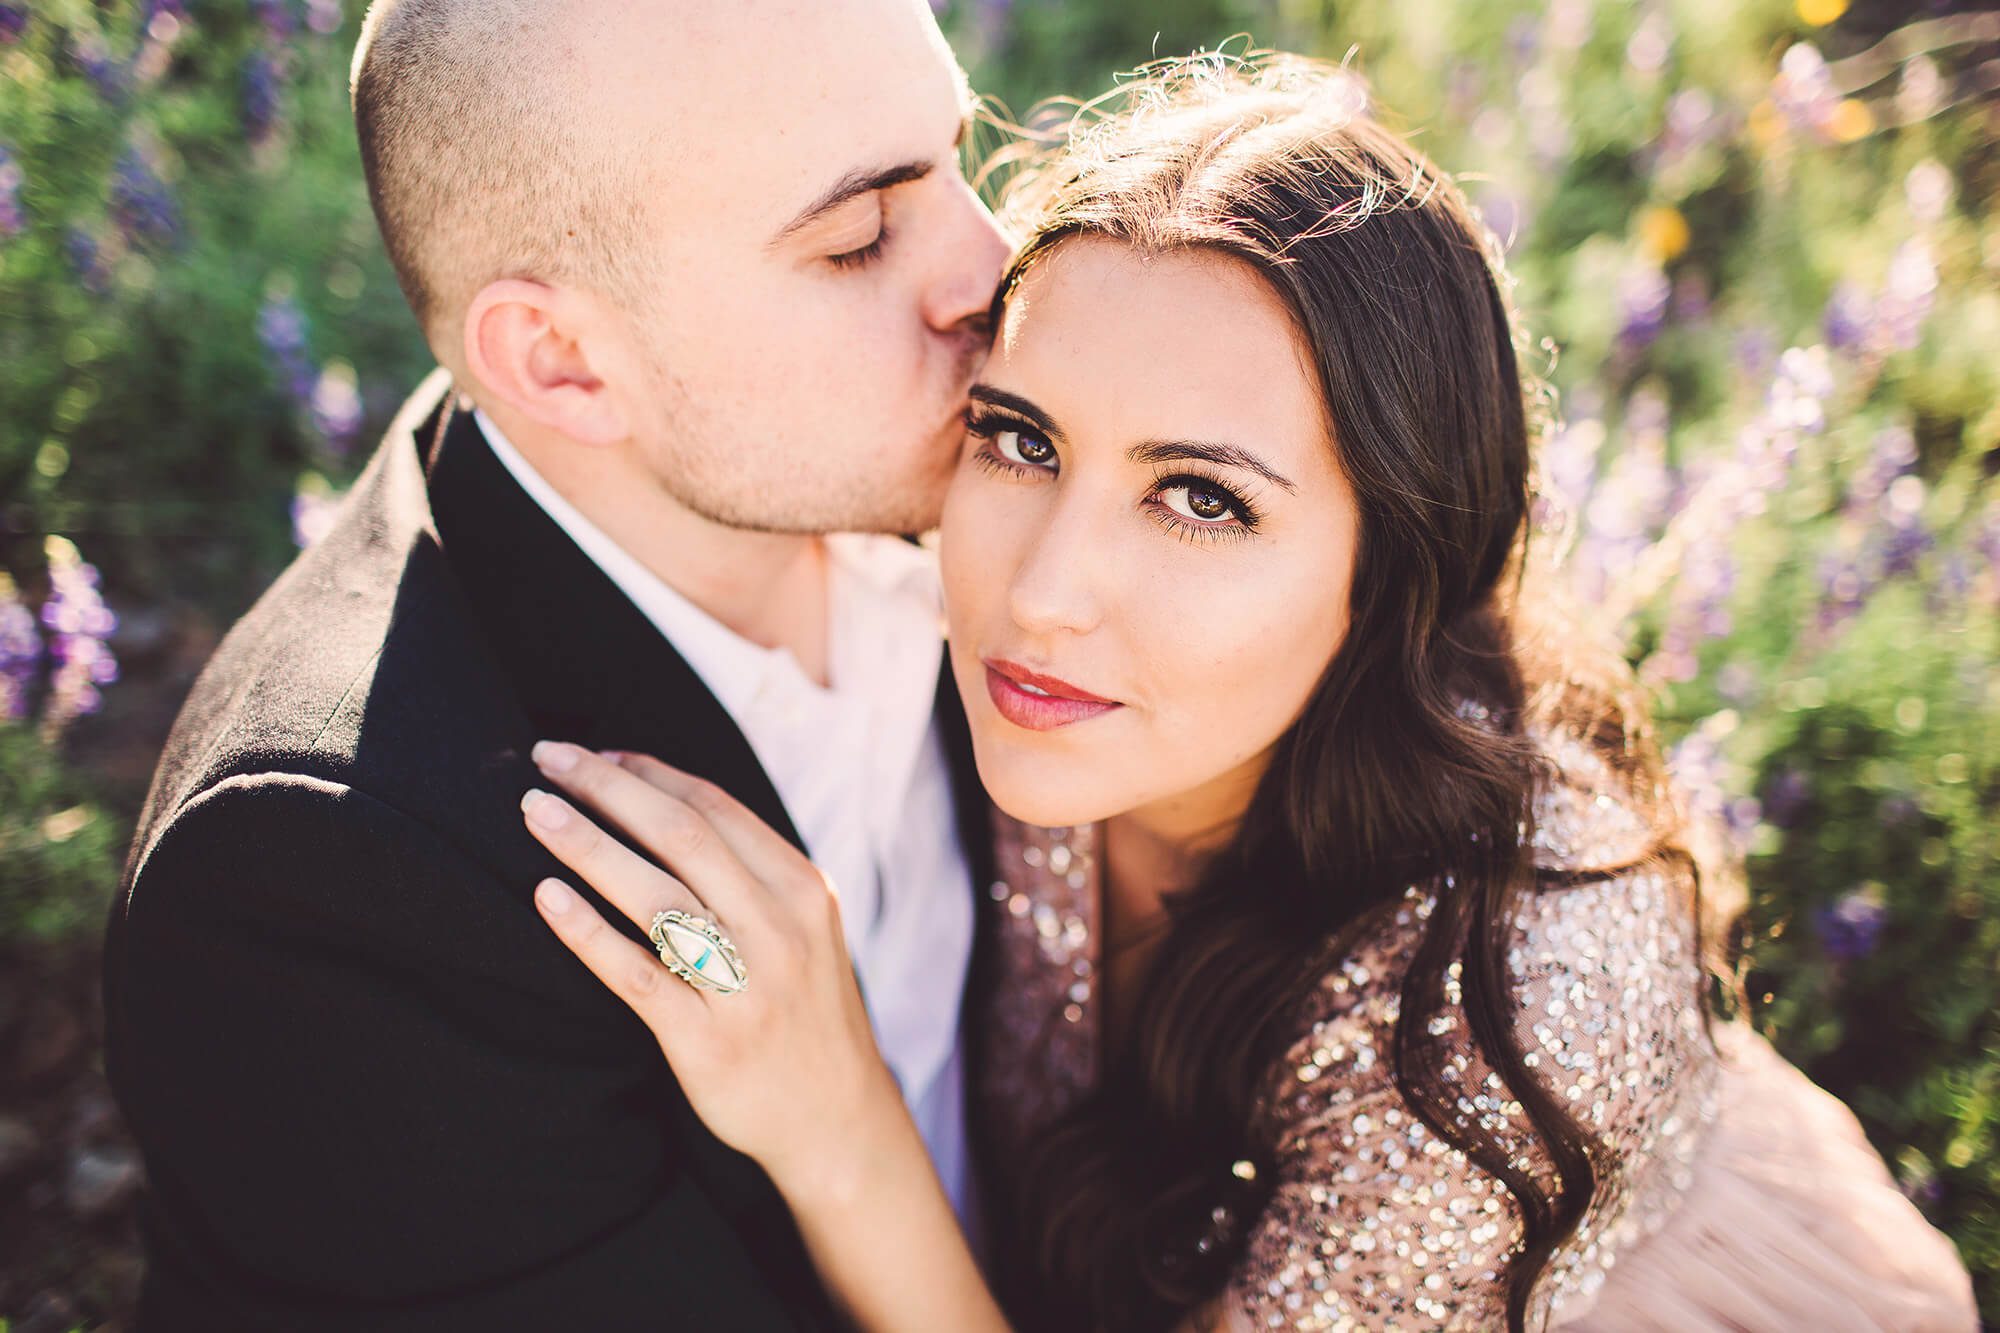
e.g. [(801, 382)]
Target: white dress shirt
[(861, 770)]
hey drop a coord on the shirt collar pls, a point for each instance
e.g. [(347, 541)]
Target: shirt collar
[(884, 590), (733, 667)]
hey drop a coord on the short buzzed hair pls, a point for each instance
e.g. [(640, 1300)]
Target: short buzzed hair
[(485, 156)]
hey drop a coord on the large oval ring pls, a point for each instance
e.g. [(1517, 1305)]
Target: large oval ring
[(698, 953)]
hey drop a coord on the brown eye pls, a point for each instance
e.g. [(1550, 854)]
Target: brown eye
[(1203, 504), (1020, 447)]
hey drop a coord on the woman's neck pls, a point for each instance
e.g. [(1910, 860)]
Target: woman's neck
[(1158, 849)]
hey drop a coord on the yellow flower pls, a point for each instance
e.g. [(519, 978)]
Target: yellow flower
[(1663, 233), (1851, 120), (1819, 13), (1766, 124)]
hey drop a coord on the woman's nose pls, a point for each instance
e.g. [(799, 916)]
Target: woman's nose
[(1055, 590)]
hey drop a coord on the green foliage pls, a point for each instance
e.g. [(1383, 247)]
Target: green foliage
[(164, 211), (59, 848)]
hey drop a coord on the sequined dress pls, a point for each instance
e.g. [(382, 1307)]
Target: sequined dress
[(1732, 1192)]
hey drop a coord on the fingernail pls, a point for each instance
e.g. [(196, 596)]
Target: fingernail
[(555, 757), (544, 809), (553, 897)]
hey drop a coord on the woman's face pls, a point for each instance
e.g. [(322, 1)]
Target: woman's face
[(1148, 544)]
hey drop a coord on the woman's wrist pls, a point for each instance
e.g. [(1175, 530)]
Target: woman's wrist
[(861, 1150)]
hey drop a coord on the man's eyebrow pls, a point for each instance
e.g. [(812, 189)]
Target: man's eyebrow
[(852, 186), (1225, 455)]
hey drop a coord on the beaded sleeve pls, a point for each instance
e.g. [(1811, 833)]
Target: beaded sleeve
[(1375, 1221)]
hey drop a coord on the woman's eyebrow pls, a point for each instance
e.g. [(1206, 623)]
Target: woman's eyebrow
[(1015, 403), (1225, 455)]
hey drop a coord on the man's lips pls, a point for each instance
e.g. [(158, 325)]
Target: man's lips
[(1040, 703)]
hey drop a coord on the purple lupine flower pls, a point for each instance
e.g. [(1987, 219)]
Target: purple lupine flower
[(86, 260), (1643, 291), (1928, 189), (323, 16), (276, 16), (1465, 91), (1796, 401), (1907, 295), (1953, 584), (109, 76), (1844, 586), (1690, 305), (1691, 121), (1569, 469), (1925, 1190), (1848, 318), (1524, 42), (11, 217), (1985, 548), (1786, 796), (1631, 500), (1803, 90), (336, 405), (1505, 214), (991, 19), (1651, 42), (20, 653), (1897, 808), (313, 511), (1701, 772), (141, 204), (1752, 351), (1738, 684), (1902, 539), (281, 327), (13, 22), (78, 625), (1893, 452), (1568, 24), (1850, 927), (261, 83)]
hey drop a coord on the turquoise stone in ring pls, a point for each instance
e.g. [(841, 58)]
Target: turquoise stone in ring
[(698, 953)]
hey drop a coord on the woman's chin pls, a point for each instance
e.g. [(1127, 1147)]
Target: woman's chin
[(1035, 795)]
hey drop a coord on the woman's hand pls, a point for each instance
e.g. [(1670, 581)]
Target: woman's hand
[(785, 1070)]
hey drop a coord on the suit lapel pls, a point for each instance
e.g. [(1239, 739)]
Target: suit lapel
[(587, 664)]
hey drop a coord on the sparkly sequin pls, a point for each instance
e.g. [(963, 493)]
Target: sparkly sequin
[(1374, 1222)]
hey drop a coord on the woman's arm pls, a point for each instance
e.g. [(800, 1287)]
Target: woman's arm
[(785, 1070)]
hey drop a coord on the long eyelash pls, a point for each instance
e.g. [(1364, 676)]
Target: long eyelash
[(1247, 514), (866, 255), (986, 423)]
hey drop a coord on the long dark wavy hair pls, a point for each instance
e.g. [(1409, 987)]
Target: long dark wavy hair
[(1400, 297)]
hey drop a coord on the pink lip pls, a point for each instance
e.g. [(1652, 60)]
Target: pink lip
[(1060, 705)]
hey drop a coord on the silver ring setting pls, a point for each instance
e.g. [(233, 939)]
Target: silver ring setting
[(698, 953)]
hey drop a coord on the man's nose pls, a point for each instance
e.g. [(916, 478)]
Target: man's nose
[(974, 259)]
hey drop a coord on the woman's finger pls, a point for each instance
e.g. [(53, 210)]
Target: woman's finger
[(764, 851), (668, 1005), (670, 829), (626, 880)]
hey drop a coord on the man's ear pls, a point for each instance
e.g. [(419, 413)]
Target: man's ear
[(531, 345)]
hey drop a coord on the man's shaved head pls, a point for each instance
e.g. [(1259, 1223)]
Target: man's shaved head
[(725, 245), (484, 141)]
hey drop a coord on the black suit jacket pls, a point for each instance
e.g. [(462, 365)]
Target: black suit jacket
[(372, 1090)]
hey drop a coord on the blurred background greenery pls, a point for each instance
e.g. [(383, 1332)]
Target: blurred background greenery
[(1760, 238)]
